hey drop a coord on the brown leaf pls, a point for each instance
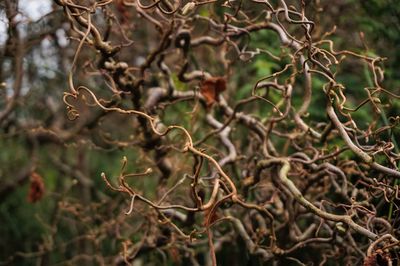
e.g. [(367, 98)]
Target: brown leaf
[(175, 256), (123, 10), (36, 188), (211, 88), (210, 216), (370, 260)]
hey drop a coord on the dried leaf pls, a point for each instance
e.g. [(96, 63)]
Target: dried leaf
[(210, 216), (211, 88), (174, 254), (36, 188), (124, 11), (370, 260)]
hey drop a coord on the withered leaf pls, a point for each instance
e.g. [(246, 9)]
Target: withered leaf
[(210, 88), (124, 11), (36, 188), (210, 216), (370, 260)]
